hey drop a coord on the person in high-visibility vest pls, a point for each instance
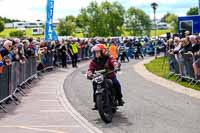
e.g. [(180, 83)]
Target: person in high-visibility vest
[(113, 51), (74, 53)]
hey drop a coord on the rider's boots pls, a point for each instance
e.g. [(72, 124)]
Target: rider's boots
[(121, 102), (95, 107)]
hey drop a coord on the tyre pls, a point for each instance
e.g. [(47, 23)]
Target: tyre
[(105, 111), (114, 110)]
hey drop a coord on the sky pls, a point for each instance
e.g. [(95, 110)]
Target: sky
[(31, 10)]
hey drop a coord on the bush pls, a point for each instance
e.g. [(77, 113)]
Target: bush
[(16, 34), (1, 26)]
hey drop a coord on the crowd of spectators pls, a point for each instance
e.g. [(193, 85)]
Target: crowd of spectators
[(71, 50), (189, 45), (61, 52)]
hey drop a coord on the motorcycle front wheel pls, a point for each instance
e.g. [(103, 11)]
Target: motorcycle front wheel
[(105, 108)]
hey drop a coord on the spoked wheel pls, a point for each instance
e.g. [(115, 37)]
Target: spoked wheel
[(105, 108)]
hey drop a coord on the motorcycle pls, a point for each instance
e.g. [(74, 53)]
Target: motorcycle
[(122, 56), (105, 95), (137, 52)]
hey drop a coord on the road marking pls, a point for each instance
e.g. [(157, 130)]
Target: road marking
[(52, 111), (70, 109), (39, 126), (42, 130), (45, 92), (49, 100)]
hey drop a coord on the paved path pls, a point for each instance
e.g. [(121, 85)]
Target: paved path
[(149, 108), (44, 109)]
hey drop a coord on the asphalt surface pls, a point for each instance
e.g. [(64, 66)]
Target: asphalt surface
[(149, 108)]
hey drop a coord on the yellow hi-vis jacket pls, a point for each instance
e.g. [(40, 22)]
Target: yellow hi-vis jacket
[(74, 48)]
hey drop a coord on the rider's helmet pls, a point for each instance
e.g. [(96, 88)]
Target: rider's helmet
[(96, 48), (103, 48)]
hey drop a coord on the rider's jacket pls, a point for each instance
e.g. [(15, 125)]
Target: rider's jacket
[(105, 62)]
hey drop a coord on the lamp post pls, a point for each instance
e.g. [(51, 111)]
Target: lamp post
[(155, 6)]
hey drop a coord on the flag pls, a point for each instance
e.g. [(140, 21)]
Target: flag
[(50, 34)]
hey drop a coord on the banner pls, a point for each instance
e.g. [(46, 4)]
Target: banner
[(199, 7), (50, 34)]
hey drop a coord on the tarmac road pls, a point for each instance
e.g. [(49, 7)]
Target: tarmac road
[(149, 108)]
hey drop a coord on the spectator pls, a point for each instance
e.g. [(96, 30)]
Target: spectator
[(194, 42), (73, 49), (64, 54), (113, 52), (170, 45), (196, 64), (5, 55)]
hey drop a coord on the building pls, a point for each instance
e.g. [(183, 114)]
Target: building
[(160, 25), (189, 23), (17, 25)]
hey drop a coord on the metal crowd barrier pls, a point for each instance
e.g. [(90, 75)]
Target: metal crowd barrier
[(4, 84), (188, 61), (83, 54), (13, 77), (173, 65), (181, 67), (47, 61)]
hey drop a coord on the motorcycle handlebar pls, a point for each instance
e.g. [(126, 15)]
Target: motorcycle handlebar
[(102, 72)]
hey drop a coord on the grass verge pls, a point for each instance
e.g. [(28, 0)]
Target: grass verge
[(160, 68), (5, 33)]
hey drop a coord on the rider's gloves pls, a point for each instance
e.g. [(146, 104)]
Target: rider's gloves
[(116, 69), (89, 75)]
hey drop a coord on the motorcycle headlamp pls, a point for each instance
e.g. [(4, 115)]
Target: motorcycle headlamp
[(99, 79)]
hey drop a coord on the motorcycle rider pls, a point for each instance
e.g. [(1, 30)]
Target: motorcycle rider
[(103, 61), (122, 53)]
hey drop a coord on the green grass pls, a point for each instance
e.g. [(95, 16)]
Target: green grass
[(5, 33), (159, 68), (159, 32)]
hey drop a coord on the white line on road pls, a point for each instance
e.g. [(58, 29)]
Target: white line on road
[(77, 116), (52, 111), (39, 126), (42, 130), (49, 100), (45, 92)]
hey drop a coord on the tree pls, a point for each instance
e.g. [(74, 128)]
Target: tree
[(163, 19), (66, 26), (91, 17), (7, 20), (113, 18), (1, 26), (192, 11), (137, 22), (172, 19), (105, 19)]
